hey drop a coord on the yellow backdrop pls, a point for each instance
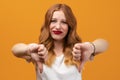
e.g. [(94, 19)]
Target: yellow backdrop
[(20, 21)]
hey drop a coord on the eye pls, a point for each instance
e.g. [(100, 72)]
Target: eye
[(53, 20), (64, 22)]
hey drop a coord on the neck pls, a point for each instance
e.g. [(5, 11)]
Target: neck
[(58, 47)]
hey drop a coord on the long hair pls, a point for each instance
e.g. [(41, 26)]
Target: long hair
[(70, 39)]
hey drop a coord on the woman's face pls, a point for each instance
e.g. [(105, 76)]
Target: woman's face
[(58, 26)]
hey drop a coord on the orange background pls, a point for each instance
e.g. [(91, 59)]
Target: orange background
[(20, 21)]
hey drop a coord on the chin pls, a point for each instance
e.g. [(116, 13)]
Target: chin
[(58, 39)]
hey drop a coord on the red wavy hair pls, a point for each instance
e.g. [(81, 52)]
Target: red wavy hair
[(70, 39)]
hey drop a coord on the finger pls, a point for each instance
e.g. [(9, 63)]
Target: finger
[(40, 66), (33, 47), (41, 47), (85, 56), (42, 60), (44, 56), (87, 46), (35, 56), (76, 55), (42, 52), (77, 46), (76, 58), (80, 68), (77, 51)]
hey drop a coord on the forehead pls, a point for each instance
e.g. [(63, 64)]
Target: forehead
[(59, 15)]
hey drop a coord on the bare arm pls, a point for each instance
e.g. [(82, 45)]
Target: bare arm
[(20, 50), (100, 45), (84, 51), (89, 49), (26, 51)]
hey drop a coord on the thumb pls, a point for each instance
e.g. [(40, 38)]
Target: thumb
[(80, 68), (36, 58), (40, 66)]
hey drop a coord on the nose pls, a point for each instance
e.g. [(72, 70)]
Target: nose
[(58, 25)]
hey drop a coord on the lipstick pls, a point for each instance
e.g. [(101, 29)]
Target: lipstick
[(57, 32)]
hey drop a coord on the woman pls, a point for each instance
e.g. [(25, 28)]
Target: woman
[(60, 54)]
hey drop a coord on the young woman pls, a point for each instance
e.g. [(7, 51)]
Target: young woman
[(60, 54)]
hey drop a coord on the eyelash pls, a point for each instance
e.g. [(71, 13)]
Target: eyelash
[(64, 22), (61, 21), (53, 21)]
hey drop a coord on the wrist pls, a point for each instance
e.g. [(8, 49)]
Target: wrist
[(93, 53), (28, 51)]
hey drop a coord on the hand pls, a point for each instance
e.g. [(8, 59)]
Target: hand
[(42, 52), (38, 53), (33, 51), (85, 49), (77, 52)]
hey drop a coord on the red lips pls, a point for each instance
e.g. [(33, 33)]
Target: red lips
[(57, 32)]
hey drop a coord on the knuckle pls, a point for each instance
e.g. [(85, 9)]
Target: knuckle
[(42, 45)]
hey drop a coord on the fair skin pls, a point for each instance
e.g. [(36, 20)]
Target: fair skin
[(58, 30)]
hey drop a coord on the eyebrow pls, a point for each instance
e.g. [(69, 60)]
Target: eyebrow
[(62, 19)]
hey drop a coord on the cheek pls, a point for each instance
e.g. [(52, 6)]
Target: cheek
[(51, 25), (50, 28), (66, 29)]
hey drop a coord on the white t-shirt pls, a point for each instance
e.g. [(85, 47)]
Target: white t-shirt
[(59, 71)]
